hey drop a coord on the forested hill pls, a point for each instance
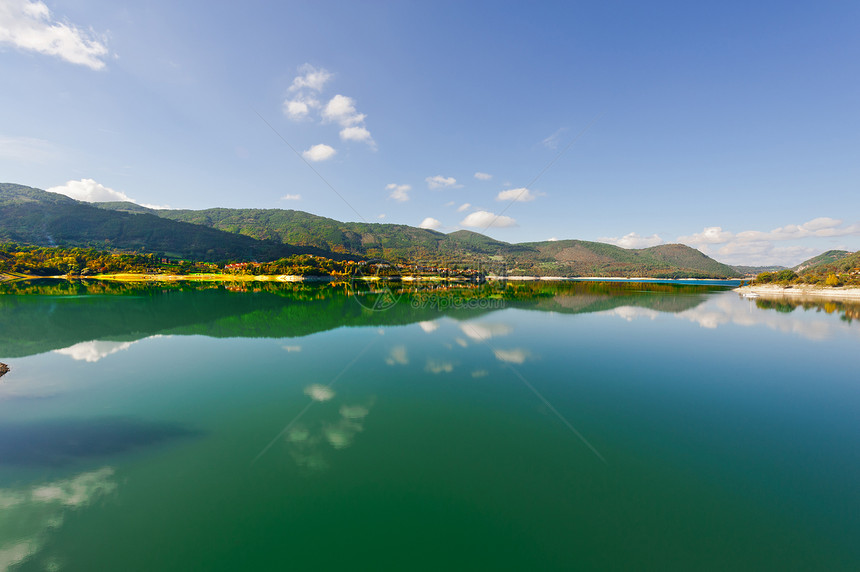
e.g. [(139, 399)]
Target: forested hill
[(33, 216), (583, 258), (832, 261), (406, 243), (825, 258), (301, 228)]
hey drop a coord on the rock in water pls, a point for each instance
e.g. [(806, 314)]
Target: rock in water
[(4, 369)]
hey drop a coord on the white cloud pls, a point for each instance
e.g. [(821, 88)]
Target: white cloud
[(484, 219), (300, 107), (633, 240), (429, 326), (551, 142), (355, 133), (520, 195), (552, 239), (319, 153), (440, 182), (710, 235), (291, 349), (311, 78), (90, 191), (817, 227), (291, 198), (296, 109), (30, 26), (764, 253), (758, 247), (341, 109), (28, 149), (380, 216), (430, 223), (483, 176), (399, 192), (820, 223), (463, 207)]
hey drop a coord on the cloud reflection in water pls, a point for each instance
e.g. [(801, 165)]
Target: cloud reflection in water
[(29, 514), (307, 444)]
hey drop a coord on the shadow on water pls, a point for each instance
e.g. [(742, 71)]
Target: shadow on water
[(58, 443), (46, 315)]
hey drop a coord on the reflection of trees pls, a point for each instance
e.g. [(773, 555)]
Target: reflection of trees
[(847, 310), (778, 305), (46, 315)]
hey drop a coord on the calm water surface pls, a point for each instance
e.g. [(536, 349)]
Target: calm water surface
[(536, 426)]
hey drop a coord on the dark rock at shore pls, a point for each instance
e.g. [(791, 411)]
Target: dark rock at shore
[(4, 369)]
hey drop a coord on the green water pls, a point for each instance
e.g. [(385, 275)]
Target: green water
[(534, 426)]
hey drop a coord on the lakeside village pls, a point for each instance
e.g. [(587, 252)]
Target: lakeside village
[(25, 261), (18, 262)]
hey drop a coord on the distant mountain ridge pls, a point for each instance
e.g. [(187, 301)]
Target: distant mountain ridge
[(402, 242), (755, 270), (37, 217), (34, 216)]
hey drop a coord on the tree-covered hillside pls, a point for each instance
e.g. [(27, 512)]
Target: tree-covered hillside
[(403, 243), (36, 217), (32, 216), (831, 268), (829, 257)]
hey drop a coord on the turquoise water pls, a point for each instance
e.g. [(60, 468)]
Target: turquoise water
[(528, 426)]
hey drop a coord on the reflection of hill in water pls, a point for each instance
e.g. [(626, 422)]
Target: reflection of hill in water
[(61, 442), (586, 297), (847, 310), (49, 315)]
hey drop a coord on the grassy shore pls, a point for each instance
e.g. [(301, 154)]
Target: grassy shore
[(130, 277), (216, 277), (213, 278), (219, 277)]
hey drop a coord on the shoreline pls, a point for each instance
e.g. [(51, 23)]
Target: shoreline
[(132, 277), (819, 292), (129, 277)]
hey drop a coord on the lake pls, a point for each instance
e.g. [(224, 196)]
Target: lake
[(555, 426)]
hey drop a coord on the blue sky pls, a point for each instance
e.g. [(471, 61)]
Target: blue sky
[(733, 127)]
